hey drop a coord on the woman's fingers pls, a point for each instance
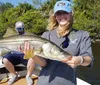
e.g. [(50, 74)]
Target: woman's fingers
[(67, 59), (73, 62)]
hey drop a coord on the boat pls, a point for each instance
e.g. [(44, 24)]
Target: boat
[(22, 72)]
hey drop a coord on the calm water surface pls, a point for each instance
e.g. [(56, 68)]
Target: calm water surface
[(92, 75)]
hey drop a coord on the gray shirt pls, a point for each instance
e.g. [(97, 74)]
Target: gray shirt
[(77, 43)]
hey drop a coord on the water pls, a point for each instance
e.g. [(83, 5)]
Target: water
[(92, 75)]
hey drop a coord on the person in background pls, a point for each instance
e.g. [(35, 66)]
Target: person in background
[(76, 42), (14, 58), (19, 27)]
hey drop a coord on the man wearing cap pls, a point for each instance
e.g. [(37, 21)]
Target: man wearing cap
[(14, 58), (75, 42), (19, 27)]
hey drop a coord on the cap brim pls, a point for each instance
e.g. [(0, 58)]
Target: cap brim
[(62, 9)]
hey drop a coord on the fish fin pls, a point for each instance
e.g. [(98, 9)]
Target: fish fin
[(29, 54)]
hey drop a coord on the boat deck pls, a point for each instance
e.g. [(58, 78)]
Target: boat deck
[(22, 72), (21, 81)]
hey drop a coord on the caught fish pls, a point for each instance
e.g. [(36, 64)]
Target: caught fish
[(41, 47)]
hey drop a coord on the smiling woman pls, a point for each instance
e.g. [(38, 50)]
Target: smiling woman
[(64, 19)]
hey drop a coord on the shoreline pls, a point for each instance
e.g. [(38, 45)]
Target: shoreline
[(95, 41)]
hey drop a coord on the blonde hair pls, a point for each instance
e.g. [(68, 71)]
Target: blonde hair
[(53, 24)]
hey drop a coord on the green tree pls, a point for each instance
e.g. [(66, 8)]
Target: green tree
[(23, 7), (86, 16), (33, 19), (47, 7), (10, 16), (5, 6)]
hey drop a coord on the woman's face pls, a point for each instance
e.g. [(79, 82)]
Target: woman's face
[(63, 17)]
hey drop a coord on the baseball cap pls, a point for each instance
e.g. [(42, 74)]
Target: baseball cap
[(63, 5), (19, 26)]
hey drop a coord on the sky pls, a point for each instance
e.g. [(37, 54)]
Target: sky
[(15, 2)]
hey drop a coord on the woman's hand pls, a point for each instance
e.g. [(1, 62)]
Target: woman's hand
[(28, 50), (72, 61)]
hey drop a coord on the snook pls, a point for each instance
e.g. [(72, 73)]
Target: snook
[(42, 47)]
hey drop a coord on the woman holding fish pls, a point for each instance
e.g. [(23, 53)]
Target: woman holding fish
[(75, 42)]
